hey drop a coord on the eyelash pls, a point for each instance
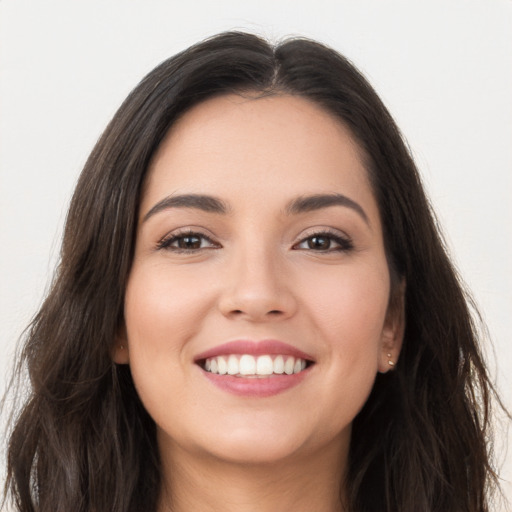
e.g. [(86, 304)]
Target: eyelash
[(167, 241), (345, 244)]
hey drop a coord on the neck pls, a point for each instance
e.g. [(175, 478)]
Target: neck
[(206, 484)]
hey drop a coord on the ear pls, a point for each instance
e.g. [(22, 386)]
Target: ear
[(393, 330), (120, 353)]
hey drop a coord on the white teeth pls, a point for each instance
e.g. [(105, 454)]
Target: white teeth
[(288, 366), (232, 365), (264, 365), (279, 365), (248, 365), (222, 365)]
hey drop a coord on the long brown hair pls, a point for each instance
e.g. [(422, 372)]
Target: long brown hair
[(82, 441)]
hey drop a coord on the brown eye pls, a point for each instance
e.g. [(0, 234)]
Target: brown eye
[(319, 243), (324, 242), (188, 242)]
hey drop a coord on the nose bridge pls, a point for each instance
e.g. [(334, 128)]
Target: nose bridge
[(256, 285)]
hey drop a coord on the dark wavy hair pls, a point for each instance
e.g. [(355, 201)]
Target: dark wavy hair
[(81, 440)]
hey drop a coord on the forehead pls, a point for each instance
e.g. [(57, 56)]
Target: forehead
[(258, 149)]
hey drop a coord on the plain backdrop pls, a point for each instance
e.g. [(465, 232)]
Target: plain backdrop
[(444, 69)]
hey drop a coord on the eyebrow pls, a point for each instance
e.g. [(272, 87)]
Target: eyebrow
[(298, 205), (198, 201), (318, 201)]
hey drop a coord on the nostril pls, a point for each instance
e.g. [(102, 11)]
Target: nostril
[(272, 312)]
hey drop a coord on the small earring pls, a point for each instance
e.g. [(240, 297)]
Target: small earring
[(121, 347), (390, 362)]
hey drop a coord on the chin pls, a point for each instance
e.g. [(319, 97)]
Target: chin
[(245, 448), (265, 443), (255, 442)]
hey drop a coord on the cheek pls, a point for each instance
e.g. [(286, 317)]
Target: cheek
[(350, 300), (160, 309), (162, 313), (349, 312)]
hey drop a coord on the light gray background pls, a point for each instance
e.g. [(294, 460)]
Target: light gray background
[(443, 67)]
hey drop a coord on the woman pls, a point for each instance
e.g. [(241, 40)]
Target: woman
[(254, 309)]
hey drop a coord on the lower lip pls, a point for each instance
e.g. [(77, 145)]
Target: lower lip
[(256, 386)]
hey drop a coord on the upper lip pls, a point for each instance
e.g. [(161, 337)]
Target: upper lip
[(255, 348)]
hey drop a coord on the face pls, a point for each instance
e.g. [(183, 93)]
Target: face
[(256, 309)]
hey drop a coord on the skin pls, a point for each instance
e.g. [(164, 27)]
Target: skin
[(257, 277)]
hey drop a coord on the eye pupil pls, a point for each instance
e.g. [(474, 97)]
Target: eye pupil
[(189, 242), (319, 242)]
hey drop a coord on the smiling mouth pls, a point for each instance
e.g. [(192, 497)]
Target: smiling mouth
[(249, 366)]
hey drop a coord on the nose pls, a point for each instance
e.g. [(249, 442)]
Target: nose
[(257, 288)]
